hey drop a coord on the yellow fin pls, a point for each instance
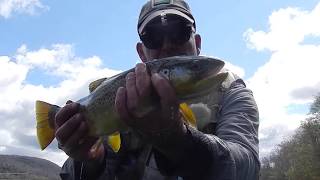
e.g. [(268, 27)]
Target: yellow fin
[(114, 141), (45, 132), (93, 85), (187, 114)]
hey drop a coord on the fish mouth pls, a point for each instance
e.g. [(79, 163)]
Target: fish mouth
[(215, 67), (208, 78), (206, 86)]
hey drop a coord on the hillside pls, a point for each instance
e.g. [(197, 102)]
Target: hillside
[(22, 167)]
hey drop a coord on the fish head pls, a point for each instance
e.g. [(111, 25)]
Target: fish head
[(193, 76)]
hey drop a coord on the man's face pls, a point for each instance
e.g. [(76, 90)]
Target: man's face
[(175, 38)]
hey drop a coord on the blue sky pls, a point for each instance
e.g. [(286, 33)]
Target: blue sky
[(51, 50), (101, 27)]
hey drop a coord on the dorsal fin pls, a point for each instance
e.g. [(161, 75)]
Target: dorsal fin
[(93, 85)]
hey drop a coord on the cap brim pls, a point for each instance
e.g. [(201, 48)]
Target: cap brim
[(159, 13)]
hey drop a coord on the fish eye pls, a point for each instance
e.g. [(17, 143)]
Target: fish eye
[(165, 72)]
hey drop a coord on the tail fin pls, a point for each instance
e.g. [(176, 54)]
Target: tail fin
[(45, 114)]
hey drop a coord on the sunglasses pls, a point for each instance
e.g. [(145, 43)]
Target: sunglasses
[(176, 31)]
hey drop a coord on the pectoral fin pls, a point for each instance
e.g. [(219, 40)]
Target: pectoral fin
[(187, 114), (115, 142)]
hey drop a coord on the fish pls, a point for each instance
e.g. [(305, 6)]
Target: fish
[(190, 77)]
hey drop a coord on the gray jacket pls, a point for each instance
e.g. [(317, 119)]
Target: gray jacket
[(226, 149)]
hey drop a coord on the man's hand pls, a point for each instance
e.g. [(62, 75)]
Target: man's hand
[(138, 90), (71, 134)]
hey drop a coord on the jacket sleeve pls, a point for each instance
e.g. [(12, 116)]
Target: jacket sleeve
[(231, 153), (69, 170), (75, 170)]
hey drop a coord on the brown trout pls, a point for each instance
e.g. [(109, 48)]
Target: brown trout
[(190, 76)]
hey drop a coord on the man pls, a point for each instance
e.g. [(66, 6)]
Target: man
[(162, 146)]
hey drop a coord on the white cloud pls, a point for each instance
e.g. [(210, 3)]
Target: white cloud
[(239, 71), (235, 69), (287, 28), (17, 132), (2, 148), (5, 137), (292, 71), (8, 7)]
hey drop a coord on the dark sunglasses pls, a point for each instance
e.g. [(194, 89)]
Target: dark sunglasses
[(176, 31)]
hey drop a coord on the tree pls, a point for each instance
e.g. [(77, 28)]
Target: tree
[(297, 158), (315, 106)]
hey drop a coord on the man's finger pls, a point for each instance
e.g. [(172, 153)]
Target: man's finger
[(64, 132), (132, 95), (76, 139), (164, 90), (121, 105), (66, 112), (143, 82)]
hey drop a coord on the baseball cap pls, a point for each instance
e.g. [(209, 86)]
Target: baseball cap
[(162, 8)]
